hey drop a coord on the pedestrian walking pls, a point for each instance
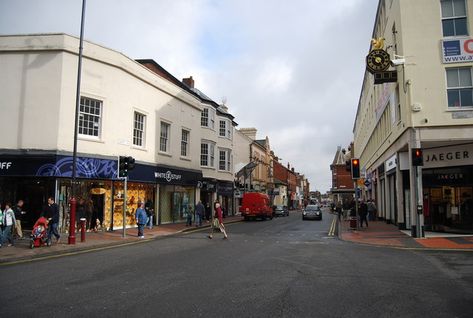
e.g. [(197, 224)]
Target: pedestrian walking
[(218, 217), (80, 213), (199, 213), (149, 207), (189, 213), (1, 226), (9, 222), (18, 209), (338, 210), (141, 219), (371, 210), (51, 213), (363, 213)]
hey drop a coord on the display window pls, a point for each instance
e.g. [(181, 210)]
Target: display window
[(175, 203)]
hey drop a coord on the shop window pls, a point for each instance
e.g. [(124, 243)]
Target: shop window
[(459, 87), (454, 18), (90, 115), (139, 129)]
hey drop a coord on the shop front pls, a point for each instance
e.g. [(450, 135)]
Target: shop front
[(447, 178), (177, 193), (34, 178), (208, 195), (225, 197)]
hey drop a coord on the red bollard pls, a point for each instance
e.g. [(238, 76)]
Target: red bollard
[(72, 222), (82, 229)]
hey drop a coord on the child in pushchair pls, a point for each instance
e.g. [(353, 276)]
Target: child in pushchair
[(39, 235)]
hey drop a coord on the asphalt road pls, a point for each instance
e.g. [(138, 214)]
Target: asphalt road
[(280, 268)]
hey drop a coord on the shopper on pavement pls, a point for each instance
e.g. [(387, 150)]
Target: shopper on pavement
[(199, 213), (18, 209), (371, 210), (218, 216), (149, 212), (9, 222), (141, 219), (1, 226), (189, 215), (363, 213), (51, 213)]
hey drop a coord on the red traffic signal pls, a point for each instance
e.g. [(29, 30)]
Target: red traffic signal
[(417, 157), (355, 169)]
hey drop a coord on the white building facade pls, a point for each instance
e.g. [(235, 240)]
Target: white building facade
[(429, 107), (126, 109)]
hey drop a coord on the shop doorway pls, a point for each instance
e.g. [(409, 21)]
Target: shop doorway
[(98, 204)]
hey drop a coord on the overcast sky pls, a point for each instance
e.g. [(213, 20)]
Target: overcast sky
[(293, 69)]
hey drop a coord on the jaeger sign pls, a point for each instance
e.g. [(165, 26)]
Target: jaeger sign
[(461, 155)]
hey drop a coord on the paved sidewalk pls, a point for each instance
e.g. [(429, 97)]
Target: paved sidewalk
[(21, 250), (380, 233)]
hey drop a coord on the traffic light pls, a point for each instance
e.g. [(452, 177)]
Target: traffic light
[(355, 168), (417, 157), (125, 164)]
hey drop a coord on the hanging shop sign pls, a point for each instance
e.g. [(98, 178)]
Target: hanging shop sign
[(391, 163)]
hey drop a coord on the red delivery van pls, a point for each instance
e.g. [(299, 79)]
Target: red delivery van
[(256, 205)]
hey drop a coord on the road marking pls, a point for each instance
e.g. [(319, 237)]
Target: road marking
[(331, 231)]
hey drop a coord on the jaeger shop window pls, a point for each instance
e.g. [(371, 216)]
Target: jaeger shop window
[(459, 87), (90, 114), (454, 18)]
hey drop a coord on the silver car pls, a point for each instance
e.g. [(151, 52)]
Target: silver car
[(312, 212)]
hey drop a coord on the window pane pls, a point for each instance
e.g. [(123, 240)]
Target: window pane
[(448, 27), (453, 97), (466, 97), (459, 8), (460, 26), (452, 78), (447, 8), (465, 77)]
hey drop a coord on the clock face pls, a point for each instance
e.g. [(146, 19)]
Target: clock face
[(378, 61)]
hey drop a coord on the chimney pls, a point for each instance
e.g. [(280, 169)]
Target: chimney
[(288, 166), (188, 81), (249, 132)]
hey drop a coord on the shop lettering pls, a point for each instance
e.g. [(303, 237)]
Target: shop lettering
[(451, 176), (458, 155), (5, 165), (168, 176)]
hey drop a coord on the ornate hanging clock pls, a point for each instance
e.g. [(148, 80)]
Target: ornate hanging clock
[(378, 61)]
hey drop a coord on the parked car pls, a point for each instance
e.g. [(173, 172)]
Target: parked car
[(281, 210), (312, 212), (256, 205)]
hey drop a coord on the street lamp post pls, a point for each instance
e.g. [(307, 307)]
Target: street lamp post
[(72, 219)]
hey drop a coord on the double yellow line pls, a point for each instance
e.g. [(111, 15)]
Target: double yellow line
[(333, 226)]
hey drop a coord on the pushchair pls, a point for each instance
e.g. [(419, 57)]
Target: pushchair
[(39, 234)]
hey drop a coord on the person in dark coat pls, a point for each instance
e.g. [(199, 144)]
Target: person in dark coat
[(199, 213), (80, 213), (363, 213), (52, 214), (18, 209)]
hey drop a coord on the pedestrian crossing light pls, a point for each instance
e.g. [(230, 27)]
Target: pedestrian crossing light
[(417, 157), (355, 169), (125, 164)]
